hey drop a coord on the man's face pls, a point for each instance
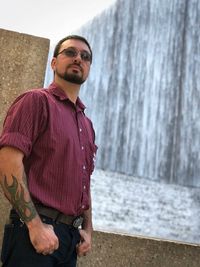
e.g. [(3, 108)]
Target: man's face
[(72, 64)]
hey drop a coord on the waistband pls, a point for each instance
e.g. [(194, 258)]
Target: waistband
[(56, 216)]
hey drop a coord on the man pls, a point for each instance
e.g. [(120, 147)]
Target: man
[(47, 151)]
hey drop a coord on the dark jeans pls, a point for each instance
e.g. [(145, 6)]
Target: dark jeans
[(17, 250)]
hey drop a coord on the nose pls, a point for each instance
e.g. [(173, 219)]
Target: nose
[(78, 57)]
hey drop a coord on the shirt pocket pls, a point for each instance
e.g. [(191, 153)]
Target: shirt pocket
[(91, 150)]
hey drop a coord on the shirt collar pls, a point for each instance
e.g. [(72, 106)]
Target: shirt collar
[(55, 90)]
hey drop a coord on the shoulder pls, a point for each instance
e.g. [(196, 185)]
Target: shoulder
[(35, 96), (32, 101), (33, 93)]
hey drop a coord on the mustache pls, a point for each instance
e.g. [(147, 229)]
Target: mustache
[(77, 65)]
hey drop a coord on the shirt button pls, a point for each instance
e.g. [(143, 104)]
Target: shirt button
[(84, 187), (84, 167), (80, 129), (83, 207), (82, 147)]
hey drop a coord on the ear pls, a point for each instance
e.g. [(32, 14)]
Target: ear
[(53, 63)]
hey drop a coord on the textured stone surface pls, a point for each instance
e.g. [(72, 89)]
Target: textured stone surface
[(23, 62), (114, 250)]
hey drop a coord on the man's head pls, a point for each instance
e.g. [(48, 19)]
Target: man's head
[(72, 59), (75, 37)]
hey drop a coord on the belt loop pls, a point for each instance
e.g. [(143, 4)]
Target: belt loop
[(57, 218)]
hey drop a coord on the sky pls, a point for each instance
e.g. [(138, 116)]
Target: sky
[(52, 19)]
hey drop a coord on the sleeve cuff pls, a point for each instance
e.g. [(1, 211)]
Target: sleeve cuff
[(16, 140)]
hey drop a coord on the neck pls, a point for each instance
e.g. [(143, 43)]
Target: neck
[(70, 89)]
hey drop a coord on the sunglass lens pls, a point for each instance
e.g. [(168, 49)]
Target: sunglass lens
[(85, 56), (70, 52)]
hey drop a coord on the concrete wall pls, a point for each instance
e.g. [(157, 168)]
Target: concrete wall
[(23, 62), (114, 250)]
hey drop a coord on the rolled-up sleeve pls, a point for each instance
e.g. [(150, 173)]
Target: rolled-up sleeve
[(25, 120)]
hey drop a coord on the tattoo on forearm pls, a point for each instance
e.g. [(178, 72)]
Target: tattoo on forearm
[(16, 191)]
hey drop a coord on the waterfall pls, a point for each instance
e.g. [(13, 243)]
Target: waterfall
[(143, 93)]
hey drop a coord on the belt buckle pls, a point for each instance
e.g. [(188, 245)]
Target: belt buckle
[(77, 221)]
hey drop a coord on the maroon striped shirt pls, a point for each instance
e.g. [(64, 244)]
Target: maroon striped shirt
[(57, 140)]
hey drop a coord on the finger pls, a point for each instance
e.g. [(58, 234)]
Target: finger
[(47, 252), (84, 247), (57, 244), (50, 226), (56, 247), (83, 254)]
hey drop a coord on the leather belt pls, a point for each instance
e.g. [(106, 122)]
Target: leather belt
[(56, 216), (59, 217)]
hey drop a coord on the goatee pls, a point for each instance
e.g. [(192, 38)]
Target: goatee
[(73, 78)]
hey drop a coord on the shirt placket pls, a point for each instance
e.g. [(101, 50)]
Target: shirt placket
[(84, 166)]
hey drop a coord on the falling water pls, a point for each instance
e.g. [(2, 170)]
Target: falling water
[(143, 93)]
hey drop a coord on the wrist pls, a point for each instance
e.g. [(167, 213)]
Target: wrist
[(88, 229), (34, 223)]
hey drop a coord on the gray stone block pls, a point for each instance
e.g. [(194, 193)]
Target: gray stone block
[(23, 63)]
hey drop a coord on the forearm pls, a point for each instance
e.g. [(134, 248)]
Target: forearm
[(14, 183), (17, 193), (86, 233), (87, 223)]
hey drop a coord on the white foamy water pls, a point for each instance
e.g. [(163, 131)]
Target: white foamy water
[(137, 206)]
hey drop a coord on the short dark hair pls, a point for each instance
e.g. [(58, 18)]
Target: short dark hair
[(76, 37)]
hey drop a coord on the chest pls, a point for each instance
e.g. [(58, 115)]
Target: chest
[(68, 126)]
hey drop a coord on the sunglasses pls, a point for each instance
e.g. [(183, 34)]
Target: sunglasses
[(72, 52)]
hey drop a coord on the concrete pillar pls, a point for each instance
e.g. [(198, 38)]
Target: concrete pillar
[(23, 62)]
